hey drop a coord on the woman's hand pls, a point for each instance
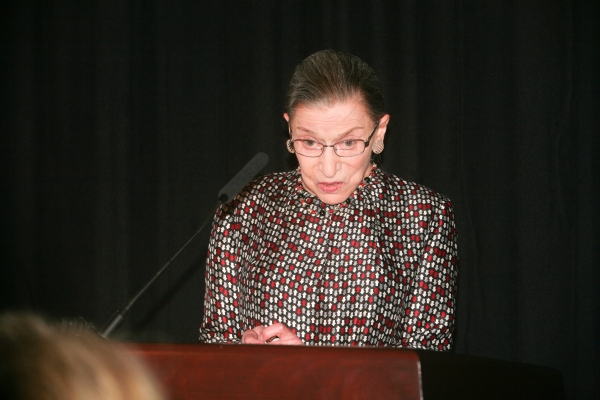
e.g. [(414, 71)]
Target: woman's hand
[(277, 333)]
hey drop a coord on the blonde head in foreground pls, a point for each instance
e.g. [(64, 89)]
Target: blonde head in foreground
[(40, 362)]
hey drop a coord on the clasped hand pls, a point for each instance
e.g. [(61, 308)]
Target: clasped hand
[(277, 333)]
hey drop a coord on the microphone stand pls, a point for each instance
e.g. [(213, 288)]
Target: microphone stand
[(228, 192), (118, 318)]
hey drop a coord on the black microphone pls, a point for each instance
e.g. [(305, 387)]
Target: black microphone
[(243, 177), (229, 191)]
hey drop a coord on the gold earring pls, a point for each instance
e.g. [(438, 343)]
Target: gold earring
[(378, 147), (290, 146)]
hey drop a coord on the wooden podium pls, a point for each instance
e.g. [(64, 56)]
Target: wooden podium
[(206, 371)]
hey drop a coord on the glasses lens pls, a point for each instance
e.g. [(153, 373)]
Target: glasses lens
[(349, 148), (309, 148)]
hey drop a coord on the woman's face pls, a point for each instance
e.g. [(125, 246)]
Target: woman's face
[(329, 177)]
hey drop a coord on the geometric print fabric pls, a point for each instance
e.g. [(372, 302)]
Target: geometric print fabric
[(376, 270)]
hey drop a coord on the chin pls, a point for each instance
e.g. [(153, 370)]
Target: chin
[(332, 198)]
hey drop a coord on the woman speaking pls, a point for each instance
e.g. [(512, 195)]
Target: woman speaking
[(336, 252)]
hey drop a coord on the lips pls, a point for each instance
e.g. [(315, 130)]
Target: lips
[(330, 187)]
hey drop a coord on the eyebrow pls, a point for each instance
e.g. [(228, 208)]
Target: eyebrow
[(344, 134)]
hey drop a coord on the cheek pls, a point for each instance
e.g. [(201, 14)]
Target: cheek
[(306, 165), (360, 166)]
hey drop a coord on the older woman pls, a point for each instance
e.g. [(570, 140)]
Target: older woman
[(336, 252)]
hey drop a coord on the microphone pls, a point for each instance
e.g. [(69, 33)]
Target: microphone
[(243, 177), (228, 192)]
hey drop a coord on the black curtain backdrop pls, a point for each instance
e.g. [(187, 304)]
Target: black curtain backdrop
[(122, 120)]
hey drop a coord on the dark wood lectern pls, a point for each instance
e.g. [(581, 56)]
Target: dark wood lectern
[(288, 372)]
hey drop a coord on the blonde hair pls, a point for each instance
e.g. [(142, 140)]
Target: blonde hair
[(40, 362)]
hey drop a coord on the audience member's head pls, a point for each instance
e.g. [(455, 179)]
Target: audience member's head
[(40, 362)]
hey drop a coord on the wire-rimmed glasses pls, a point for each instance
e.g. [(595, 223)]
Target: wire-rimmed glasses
[(344, 148)]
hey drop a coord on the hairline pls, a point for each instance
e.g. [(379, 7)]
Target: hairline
[(331, 101)]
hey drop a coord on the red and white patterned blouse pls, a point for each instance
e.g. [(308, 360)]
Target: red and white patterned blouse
[(377, 270)]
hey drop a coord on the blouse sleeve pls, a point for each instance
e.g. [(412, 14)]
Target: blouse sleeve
[(430, 302), (220, 324)]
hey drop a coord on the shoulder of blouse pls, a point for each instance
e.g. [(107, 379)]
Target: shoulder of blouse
[(390, 187)]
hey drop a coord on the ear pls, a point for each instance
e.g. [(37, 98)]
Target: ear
[(383, 124), (287, 118)]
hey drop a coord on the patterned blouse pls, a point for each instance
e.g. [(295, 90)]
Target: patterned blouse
[(376, 270)]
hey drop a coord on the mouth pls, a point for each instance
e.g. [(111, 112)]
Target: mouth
[(330, 187)]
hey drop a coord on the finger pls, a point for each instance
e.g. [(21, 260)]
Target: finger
[(249, 336), (252, 336), (277, 327), (259, 329), (289, 342), (275, 330), (287, 339), (283, 334), (252, 340)]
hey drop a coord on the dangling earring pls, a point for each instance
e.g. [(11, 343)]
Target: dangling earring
[(290, 146), (378, 147)]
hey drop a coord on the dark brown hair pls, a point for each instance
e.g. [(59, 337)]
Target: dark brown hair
[(329, 76)]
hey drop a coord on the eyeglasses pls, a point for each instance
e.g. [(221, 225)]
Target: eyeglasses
[(344, 148)]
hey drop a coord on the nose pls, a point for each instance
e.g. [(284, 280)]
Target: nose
[(329, 162)]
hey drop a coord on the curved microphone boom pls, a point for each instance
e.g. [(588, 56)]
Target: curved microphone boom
[(228, 192)]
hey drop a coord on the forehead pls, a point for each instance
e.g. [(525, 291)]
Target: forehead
[(336, 118)]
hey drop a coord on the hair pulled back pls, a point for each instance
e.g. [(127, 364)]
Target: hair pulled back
[(328, 77)]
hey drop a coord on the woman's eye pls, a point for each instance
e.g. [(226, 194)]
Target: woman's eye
[(348, 143), (310, 143)]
